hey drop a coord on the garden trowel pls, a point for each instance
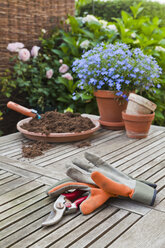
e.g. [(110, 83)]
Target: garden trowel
[(25, 111)]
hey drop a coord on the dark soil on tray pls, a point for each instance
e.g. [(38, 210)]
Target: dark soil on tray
[(34, 149), (55, 122)]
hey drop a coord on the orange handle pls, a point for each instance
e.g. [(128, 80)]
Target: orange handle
[(18, 108)]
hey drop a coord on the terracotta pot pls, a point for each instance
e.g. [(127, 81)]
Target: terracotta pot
[(139, 105), (137, 126), (110, 108)]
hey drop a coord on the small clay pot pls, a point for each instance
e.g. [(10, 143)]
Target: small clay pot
[(139, 105), (137, 126), (110, 109)]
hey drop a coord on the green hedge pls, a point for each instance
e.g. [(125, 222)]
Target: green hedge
[(108, 10)]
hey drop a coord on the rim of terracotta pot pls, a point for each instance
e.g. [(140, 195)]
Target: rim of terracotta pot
[(142, 101), (105, 94), (138, 117), (115, 126), (57, 137), (111, 124)]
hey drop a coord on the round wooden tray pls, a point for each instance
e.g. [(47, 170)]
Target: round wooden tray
[(57, 137)]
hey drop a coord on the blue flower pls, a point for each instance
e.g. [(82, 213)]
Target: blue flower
[(119, 93), (74, 97), (133, 75), (116, 67), (105, 79), (118, 86), (98, 87), (127, 81), (92, 80), (136, 70), (116, 76), (124, 96)]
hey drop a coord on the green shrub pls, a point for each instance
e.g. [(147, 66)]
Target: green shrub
[(108, 10), (143, 32), (146, 33)]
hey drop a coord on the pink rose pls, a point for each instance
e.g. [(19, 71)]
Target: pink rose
[(34, 51), (63, 68), (49, 73), (24, 54), (67, 76), (15, 46)]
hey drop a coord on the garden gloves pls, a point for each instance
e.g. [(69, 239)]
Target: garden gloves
[(100, 181), (96, 171), (96, 196)]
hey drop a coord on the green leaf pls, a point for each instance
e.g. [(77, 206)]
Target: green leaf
[(126, 17), (46, 57), (88, 34), (74, 24), (160, 115), (8, 94), (156, 21), (136, 9), (65, 99), (64, 48), (162, 42), (58, 52)]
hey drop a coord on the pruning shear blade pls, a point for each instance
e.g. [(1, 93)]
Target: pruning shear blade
[(57, 213), (63, 205)]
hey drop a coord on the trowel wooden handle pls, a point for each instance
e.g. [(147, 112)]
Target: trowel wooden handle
[(18, 108)]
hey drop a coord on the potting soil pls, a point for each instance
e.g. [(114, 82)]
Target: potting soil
[(55, 122), (34, 149), (84, 144)]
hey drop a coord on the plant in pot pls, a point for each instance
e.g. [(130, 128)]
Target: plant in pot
[(111, 72)]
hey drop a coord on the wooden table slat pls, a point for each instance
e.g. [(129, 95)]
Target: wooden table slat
[(8, 179), (33, 191), (15, 193), (116, 231), (150, 230), (73, 225), (129, 146), (89, 231)]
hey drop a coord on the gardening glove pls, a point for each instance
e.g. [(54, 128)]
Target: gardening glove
[(81, 171), (96, 196)]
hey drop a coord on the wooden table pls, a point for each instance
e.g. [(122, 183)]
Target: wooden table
[(118, 223)]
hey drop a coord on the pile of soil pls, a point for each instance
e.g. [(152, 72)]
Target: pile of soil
[(84, 144), (55, 122), (34, 149)]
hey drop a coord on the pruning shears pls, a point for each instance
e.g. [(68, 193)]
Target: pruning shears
[(64, 205), (25, 111)]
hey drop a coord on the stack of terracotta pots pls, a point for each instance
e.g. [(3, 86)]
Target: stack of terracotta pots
[(138, 116)]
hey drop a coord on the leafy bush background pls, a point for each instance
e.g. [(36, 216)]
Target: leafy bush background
[(145, 32), (108, 10)]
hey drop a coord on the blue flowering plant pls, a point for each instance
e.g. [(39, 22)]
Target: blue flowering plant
[(117, 68)]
